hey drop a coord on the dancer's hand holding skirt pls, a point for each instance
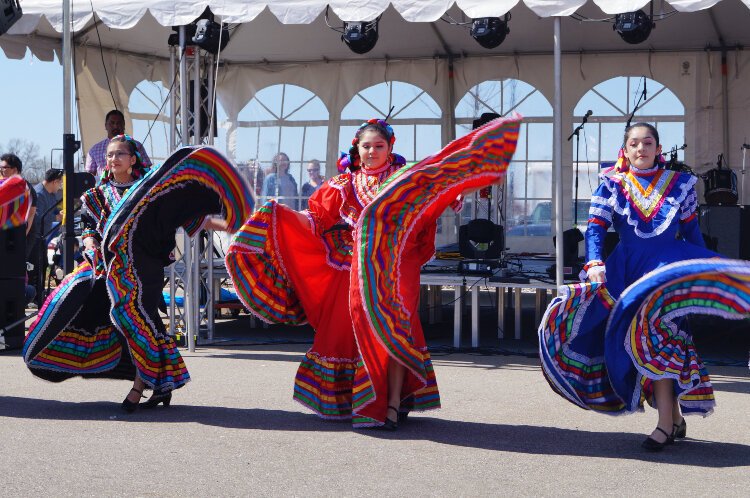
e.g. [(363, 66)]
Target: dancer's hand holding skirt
[(110, 326)]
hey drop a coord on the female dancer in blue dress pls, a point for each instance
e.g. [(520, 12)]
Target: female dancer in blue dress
[(590, 353)]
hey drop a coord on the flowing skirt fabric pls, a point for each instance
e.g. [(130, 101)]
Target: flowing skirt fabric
[(106, 323), (603, 345)]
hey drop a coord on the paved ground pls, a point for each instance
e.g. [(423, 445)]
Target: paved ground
[(235, 431)]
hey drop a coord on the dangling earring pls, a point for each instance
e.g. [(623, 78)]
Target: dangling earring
[(391, 159), (130, 171)]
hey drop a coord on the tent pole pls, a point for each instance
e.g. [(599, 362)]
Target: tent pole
[(557, 156), (67, 68), (70, 145), (172, 101), (187, 248), (172, 146)]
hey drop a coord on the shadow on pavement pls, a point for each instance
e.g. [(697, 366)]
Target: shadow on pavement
[(526, 439)]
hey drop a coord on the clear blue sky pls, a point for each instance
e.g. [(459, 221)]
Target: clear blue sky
[(32, 102)]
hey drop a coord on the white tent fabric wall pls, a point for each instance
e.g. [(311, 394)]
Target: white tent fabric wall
[(698, 88)]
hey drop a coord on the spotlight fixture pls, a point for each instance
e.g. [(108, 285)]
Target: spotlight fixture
[(209, 33), (204, 32), (10, 12), (634, 27), (360, 37), (490, 32)]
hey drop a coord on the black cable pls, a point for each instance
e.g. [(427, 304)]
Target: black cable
[(164, 102), (101, 53)]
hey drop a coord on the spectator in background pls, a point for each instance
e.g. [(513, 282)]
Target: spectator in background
[(48, 196), (29, 292), (114, 124), (316, 180), (254, 175), (11, 165), (279, 184)]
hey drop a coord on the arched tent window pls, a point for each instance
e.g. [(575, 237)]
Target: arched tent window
[(283, 118), (416, 117), (612, 102), (525, 201), (149, 110)]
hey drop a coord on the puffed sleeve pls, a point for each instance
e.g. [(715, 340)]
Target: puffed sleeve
[(91, 212), (324, 208)]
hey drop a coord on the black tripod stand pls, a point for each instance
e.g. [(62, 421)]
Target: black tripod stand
[(40, 263), (576, 134)]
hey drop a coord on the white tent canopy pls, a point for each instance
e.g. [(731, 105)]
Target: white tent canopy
[(287, 41), (294, 30), (119, 15)]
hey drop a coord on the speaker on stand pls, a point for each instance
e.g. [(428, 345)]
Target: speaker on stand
[(727, 229), (12, 286)]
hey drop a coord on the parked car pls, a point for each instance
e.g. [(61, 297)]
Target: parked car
[(539, 222)]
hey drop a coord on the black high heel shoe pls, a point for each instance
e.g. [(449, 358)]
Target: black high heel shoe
[(403, 417), (652, 444), (680, 430), (131, 406), (390, 424), (157, 398)]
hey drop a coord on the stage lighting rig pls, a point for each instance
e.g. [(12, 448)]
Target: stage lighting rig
[(10, 12), (359, 36), (634, 27), (204, 32), (211, 36), (490, 32)]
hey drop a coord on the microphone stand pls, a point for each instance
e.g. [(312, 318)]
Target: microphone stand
[(576, 133), (41, 269), (642, 96)]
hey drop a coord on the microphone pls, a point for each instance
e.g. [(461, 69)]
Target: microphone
[(645, 93), (745, 146), (580, 126)]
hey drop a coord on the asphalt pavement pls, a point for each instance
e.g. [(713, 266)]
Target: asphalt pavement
[(234, 430)]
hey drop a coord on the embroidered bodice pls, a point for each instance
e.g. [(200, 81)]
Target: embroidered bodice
[(641, 204), (98, 203), (333, 210)]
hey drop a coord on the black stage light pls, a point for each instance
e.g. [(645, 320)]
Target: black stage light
[(207, 34), (10, 12), (174, 38), (203, 32), (490, 32), (360, 37), (633, 27)]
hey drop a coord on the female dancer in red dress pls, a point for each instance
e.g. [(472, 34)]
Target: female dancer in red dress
[(349, 265)]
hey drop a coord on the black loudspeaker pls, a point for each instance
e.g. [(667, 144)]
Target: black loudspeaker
[(571, 263), (571, 238), (727, 228), (11, 313), (13, 252), (10, 12), (82, 182)]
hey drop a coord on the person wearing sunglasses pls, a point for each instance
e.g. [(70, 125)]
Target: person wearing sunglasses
[(316, 180)]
